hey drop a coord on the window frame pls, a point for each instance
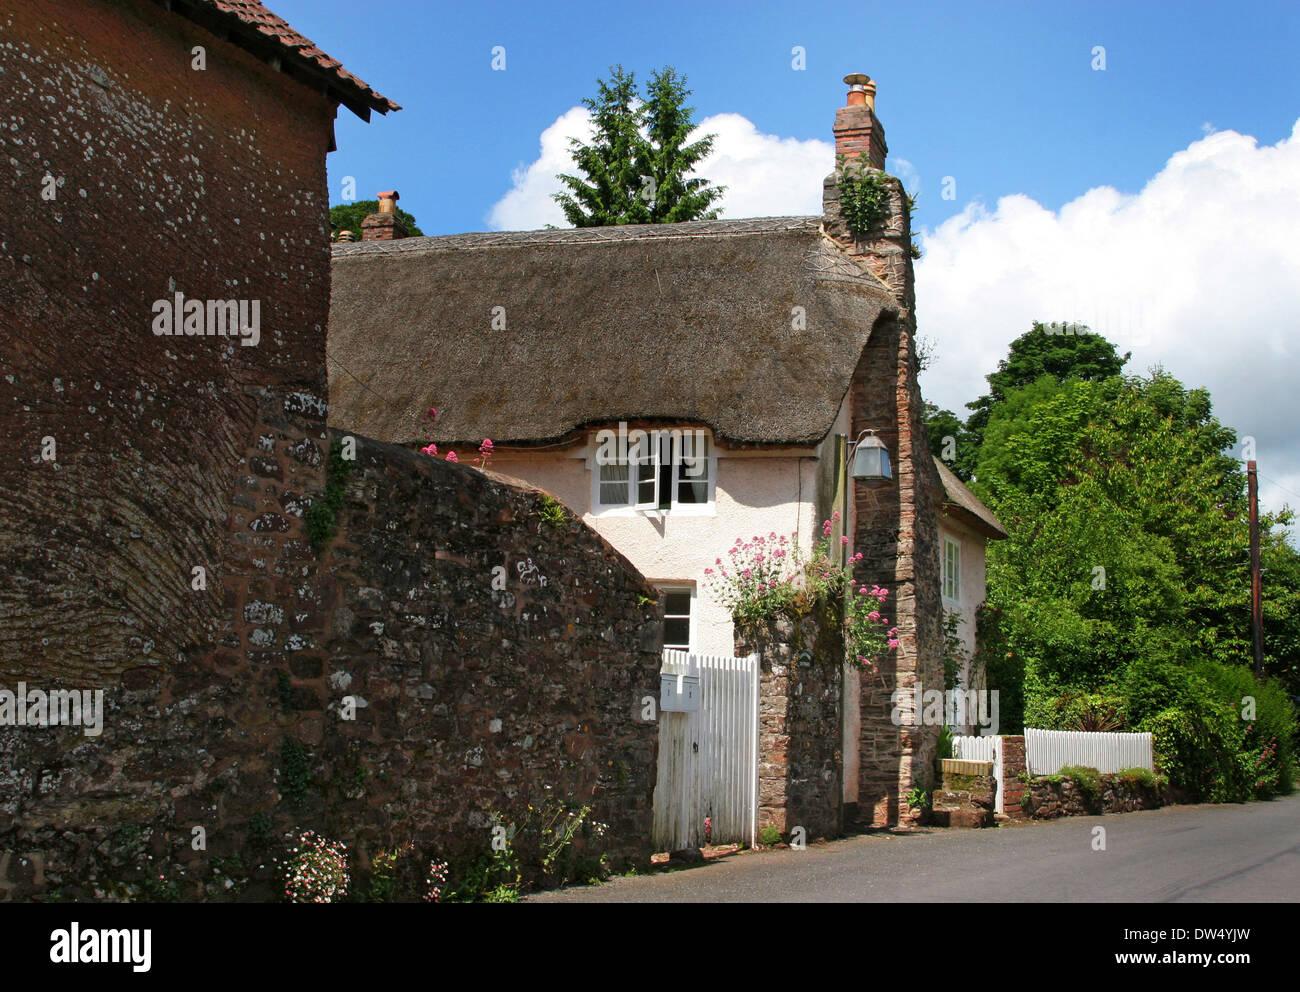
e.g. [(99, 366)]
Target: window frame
[(953, 574), (650, 507), (689, 588)]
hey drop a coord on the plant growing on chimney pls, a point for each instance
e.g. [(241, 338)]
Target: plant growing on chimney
[(864, 195), (552, 513)]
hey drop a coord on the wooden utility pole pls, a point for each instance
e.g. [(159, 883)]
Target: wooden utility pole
[(1256, 588)]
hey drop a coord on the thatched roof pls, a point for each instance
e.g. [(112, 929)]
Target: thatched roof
[(965, 506), (688, 322)]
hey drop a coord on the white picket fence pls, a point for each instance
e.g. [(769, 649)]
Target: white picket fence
[(1048, 751), (708, 758)]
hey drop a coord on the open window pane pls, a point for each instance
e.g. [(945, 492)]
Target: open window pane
[(646, 458), (693, 469)]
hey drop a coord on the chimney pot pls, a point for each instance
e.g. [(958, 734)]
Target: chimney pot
[(857, 82), (384, 224), (858, 133)]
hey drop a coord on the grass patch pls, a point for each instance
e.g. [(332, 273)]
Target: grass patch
[(1139, 776), (1088, 781)]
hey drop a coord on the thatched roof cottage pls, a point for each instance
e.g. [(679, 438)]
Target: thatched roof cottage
[(774, 341)]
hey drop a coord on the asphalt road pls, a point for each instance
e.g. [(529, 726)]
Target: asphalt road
[(1247, 853)]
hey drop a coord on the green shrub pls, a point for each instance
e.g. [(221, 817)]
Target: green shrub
[(864, 195), (1268, 749), (1202, 743), (1197, 750), (769, 836), (552, 513), (945, 745), (1088, 781)]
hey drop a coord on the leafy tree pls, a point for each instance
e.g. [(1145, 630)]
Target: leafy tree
[(1129, 475), (1126, 573), (636, 170), (941, 425), (1036, 353), (348, 217), (1281, 602)]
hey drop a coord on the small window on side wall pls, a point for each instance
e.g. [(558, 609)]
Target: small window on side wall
[(951, 570), (678, 604)]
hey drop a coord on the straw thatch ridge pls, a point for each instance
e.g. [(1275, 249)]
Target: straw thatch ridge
[(966, 506), (688, 322)]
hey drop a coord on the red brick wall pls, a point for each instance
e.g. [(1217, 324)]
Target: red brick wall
[(1013, 766), (210, 181), (895, 525)]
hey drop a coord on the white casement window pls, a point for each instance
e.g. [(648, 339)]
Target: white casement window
[(951, 570), (678, 604), (663, 471)]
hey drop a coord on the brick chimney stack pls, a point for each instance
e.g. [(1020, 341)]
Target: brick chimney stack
[(384, 225), (857, 128)]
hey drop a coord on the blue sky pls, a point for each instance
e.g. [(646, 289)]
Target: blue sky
[(1001, 96), (1156, 200)]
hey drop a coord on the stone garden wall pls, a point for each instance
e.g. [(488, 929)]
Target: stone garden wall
[(447, 657), (1047, 799), (800, 757)]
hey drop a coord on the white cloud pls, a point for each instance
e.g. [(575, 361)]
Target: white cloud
[(765, 175), (1199, 272), (528, 206)]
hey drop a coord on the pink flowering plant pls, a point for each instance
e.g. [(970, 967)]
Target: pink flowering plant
[(316, 870), (765, 576), (484, 459)]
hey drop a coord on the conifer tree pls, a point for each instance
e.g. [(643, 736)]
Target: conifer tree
[(635, 170)]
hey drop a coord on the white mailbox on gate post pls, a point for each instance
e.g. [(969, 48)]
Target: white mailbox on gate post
[(679, 693)]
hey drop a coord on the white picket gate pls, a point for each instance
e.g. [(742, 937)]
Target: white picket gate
[(971, 748), (1047, 751), (708, 758)]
